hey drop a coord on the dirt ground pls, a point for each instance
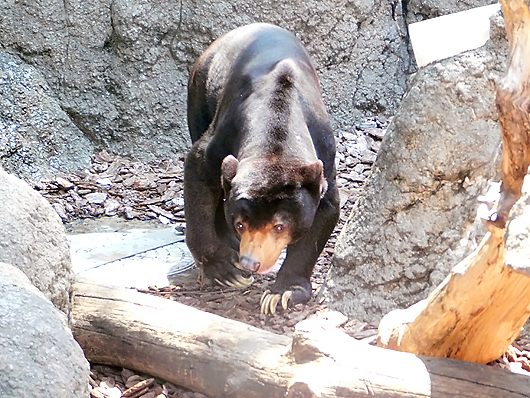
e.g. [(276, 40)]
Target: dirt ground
[(115, 186)]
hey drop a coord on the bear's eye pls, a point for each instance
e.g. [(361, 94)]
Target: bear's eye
[(279, 228), (240, 228)]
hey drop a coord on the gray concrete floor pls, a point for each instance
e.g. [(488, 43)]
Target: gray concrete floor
[(129, 254)]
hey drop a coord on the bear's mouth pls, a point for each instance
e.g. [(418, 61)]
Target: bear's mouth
[(266, 270)]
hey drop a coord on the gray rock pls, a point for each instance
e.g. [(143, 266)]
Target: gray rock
[(96, 197), (33, 238), (38, 354), (412, 222), (119, 68), (37, 138), (419, 10), (111, 207)]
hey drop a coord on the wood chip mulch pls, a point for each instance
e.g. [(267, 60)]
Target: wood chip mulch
[(244, 306)]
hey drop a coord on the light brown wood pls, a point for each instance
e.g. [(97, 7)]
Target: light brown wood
[(513, 105), (223, 358), (474, 315), (479, 309)]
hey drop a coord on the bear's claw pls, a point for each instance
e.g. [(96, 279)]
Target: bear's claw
[(237, 281), (269, 301)]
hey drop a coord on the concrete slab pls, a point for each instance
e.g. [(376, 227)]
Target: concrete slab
[(139, 257), (96, 249), (449, 35)]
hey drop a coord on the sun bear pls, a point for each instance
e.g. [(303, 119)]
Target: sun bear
[(260, 175)]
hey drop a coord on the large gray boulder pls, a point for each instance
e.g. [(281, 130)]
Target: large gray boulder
[(411, 225), (38, 354), (33, 239), (119, 68)]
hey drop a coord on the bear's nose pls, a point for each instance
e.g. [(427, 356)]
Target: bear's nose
[(249, 263)]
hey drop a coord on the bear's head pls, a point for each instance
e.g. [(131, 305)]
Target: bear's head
[(270, 203)]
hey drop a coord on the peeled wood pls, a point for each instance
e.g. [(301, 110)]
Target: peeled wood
[(477, 312), (513, 105), (223, 358), (474, 315)]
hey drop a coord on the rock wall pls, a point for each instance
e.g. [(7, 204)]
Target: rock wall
[(411, 224), (37, 138), (118, 69), (419, 10)]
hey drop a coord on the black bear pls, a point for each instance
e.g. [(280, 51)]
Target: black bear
[(261, 174)]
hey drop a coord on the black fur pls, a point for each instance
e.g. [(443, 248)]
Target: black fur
[(254, 94)]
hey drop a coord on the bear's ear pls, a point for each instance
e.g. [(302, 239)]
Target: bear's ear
[(312, 177), (228, 172), (229, 168)]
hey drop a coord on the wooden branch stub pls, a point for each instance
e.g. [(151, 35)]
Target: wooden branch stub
[(513, 106)]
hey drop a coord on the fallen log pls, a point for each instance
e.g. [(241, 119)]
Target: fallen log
[(224, 358), (479, 309)]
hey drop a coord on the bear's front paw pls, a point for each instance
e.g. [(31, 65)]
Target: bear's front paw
[(221, 270), (237, 280), (295, 294)]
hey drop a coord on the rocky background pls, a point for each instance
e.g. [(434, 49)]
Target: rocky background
[(112, 74), (78, 77)]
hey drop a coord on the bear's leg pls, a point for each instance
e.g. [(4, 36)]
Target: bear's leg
[(293, 285), (202, 197)]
